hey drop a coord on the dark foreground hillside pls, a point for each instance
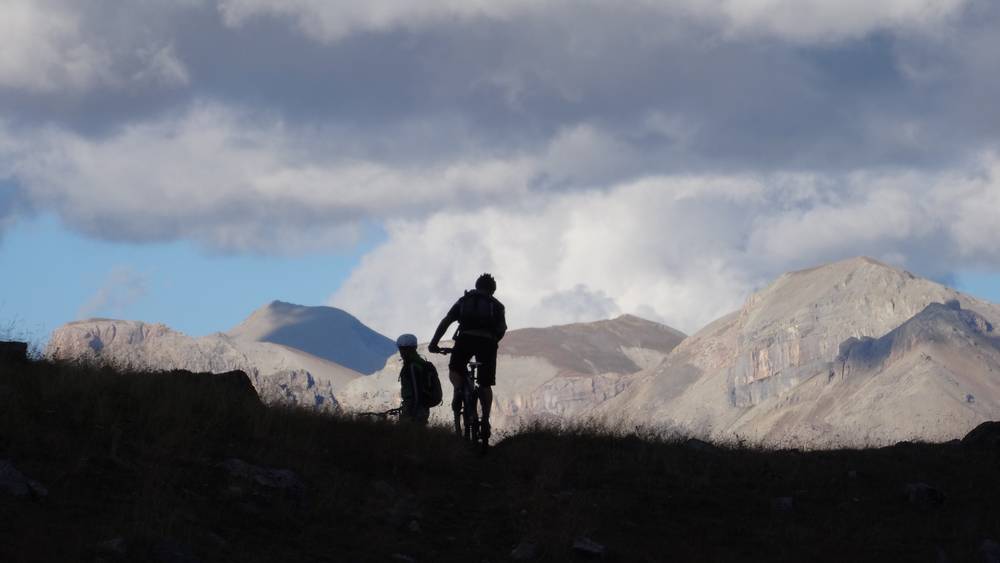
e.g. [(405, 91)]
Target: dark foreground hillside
[(97, 465)]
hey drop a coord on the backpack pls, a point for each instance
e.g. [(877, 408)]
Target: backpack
[(426, 383), (476, 311)]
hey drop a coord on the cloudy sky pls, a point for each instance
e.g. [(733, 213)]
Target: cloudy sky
[(186, 161)]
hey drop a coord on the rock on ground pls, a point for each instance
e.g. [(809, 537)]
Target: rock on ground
[(15, 483)]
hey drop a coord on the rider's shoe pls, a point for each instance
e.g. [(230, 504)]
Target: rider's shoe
[(484, 436)]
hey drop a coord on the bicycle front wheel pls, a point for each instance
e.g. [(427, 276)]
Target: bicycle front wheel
[(471, 417)]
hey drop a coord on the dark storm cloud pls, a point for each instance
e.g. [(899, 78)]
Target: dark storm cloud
[(753, 102), (288, 123), (662, 156)]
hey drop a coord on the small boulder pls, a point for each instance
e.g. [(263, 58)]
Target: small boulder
[(783, 505), (525, 551), (588, 548), (986, 436), (115, 548), (700, 445), (227, 387), (384, 489), (15, 483), (169, 551), (13, 352), (278, 479), (924, 495), (989, 552)]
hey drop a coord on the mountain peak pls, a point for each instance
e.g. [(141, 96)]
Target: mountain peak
[(847, 266), (860, 278), (802, 317), (630, 318), (279, 304), (593, 347), (327, 332)]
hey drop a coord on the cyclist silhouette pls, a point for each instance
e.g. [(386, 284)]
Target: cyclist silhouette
[(482, 324), (420, 389)]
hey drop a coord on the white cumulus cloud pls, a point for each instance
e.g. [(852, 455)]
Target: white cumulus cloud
[(682, 250), (122, 288), (235, 181), (46, 47)]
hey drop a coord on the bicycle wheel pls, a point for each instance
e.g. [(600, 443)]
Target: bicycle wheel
[(484, 432), (476, 430), (471, 418), (458, 423)]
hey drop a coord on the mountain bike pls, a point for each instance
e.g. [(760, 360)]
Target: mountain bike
[(468, 422)]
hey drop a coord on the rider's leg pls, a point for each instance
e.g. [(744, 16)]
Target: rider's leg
[(457, 379), (486, 401)]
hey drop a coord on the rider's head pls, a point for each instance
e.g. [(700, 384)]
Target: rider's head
[(486, 284), (407, 344)]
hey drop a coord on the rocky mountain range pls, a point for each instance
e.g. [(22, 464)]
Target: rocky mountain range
[(559, 372), (854, 353), (293, 354), (271, 346)]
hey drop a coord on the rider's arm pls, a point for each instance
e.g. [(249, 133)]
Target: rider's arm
[(405, 385), (501, 327), (451, 317)]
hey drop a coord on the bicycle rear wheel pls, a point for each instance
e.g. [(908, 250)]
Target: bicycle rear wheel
[(484, 434)]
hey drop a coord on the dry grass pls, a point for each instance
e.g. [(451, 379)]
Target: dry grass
[(135, 456)]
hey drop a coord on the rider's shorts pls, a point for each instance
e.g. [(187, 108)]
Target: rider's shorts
[(485, 351)]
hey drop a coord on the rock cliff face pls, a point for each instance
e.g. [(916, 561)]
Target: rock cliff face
[(933, 378), (722, 378), (558, 373), (790, 329), (279, 373)]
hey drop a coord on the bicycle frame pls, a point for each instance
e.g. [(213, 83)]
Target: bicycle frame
[(470, 403), (468, 422)]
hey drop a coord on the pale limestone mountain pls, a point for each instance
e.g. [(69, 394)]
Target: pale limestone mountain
[(325, 332), (626, 344), (280, 374), (930, 379), (557, 373), (744, 368)]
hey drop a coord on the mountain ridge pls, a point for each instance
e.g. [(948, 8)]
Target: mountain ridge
[(762, 372), (536, 379), (783, 335), (280, 374)]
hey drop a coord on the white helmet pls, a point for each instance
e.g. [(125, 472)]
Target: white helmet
[(406, 341)]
